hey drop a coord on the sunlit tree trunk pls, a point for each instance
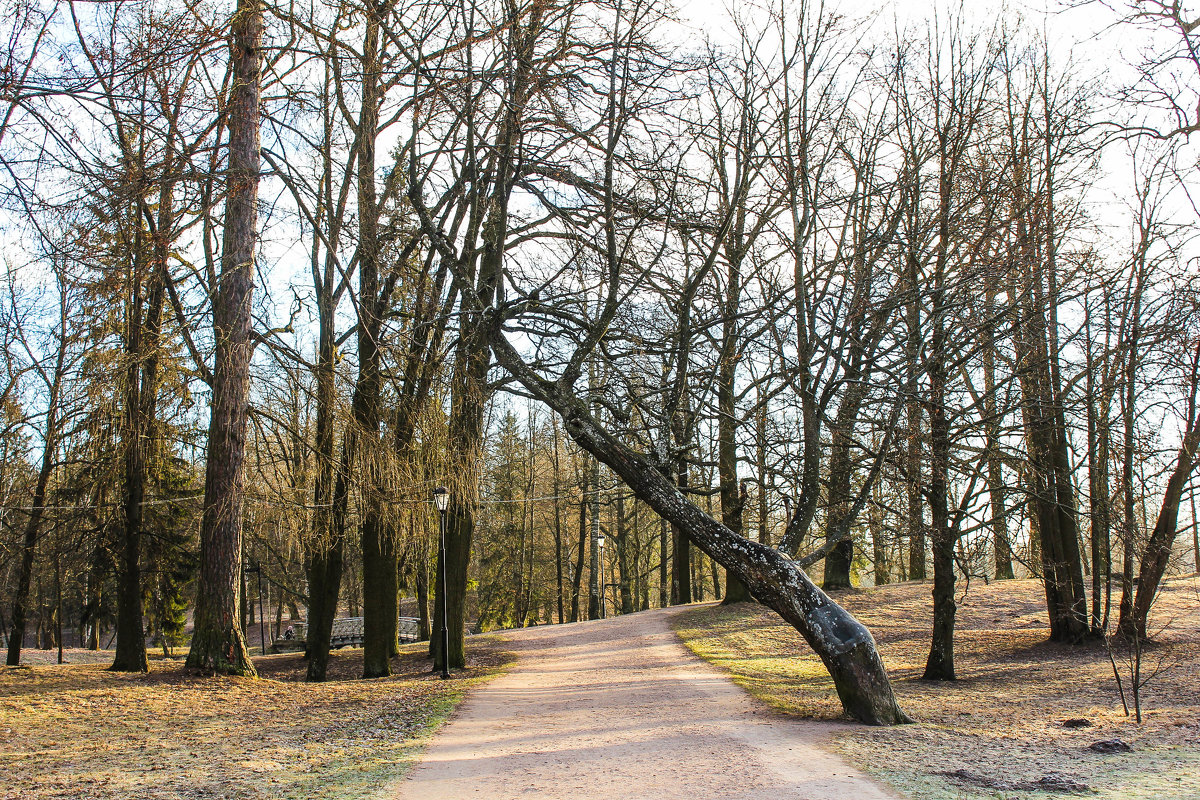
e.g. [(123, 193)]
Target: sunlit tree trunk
[(217, 641)]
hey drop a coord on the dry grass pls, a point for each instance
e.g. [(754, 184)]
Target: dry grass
[(78, 731), (1002, 720)]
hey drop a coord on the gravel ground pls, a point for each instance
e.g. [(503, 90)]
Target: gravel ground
[(619, 708)]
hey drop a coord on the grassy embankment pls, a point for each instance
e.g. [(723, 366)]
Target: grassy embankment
[(79, 731), (1000, 726)]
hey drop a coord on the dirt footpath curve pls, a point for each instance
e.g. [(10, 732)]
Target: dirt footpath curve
[(619, 708)]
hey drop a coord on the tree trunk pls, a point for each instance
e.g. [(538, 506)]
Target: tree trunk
[(379, 554), (840, 517), (912, 463), (558, 527), (20, 600), (141, 400), (760, 447), (217, 642), (580, 546), (465, 442), (664, 579), (623, 579), (421, 565), (940, 663), (844, 644), (997, 490), (1157, 553), (681, 553), (733, 497), (733, 501), (1049, 477), (875, 521), (594, 587)]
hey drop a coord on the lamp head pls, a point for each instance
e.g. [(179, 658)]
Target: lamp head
[(441, 498)]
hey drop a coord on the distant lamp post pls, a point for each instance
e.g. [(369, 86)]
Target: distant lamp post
[(600, 559), (441, 499)]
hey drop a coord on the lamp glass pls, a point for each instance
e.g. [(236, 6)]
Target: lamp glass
[(441, 498)]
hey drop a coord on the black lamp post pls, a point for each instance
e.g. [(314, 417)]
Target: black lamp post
[(600, 559), (441, 499)]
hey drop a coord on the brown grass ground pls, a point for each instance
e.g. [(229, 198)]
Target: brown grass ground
[(1001, 721), (78, 731)]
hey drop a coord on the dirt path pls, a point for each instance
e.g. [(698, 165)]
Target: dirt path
[(620, 709)]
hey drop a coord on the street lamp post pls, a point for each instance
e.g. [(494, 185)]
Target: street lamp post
[(441, 499), (600, 559)]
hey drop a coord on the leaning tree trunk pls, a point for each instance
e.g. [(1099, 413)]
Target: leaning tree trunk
[(217, 641), (843, 643), (1158, 550)]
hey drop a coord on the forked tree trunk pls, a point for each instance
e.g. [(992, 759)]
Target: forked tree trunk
[(217, 641), (843, 643), (1162, 539), (465, 441)]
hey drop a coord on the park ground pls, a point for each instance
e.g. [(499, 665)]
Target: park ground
[(999, 729), (77, 731)]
